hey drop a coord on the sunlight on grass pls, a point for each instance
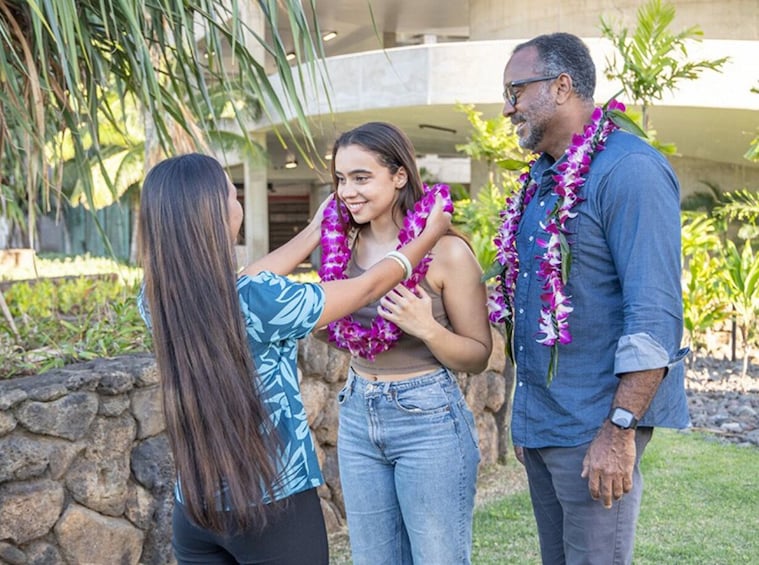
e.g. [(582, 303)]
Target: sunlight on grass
[(700, 506), (504, 532), (701, 503), (68, 266)]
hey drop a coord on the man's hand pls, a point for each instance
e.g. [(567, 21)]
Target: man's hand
[(519, 453), (609, 463)]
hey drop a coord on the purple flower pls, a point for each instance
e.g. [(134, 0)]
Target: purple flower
[(346, 333), (553, 324)]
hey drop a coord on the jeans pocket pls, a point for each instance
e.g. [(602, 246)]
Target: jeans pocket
[(344, 393), (427, 399), (468, 418)]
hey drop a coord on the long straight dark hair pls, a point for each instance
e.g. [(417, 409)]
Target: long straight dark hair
[(223, 442)]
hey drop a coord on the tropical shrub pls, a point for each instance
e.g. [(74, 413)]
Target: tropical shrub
[(705, 302), (61, 321), (492, 141), (652, 59), (479, 218), (741, 276)]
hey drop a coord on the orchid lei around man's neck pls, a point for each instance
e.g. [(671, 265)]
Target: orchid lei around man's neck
[(553, 325), (346, 333)]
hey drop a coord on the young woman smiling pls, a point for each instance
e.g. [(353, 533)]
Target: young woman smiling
[(407, 443)]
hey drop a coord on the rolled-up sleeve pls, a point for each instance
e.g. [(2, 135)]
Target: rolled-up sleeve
[(639, 352), (642, 223)]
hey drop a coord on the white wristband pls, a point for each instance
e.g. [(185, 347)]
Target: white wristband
[(403, 261)]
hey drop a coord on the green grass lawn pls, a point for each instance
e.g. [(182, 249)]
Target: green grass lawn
[(700, 506)]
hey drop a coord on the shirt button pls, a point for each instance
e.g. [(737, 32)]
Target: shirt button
[(531, 238), (542, 203), (521, 348), (525, 275), (521, 383), (521, 310)]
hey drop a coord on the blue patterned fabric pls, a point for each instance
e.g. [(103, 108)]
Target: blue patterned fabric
[(278, 312)]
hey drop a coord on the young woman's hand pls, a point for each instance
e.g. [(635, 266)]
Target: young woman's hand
[(439, 220), (411, 312), (316, 221)]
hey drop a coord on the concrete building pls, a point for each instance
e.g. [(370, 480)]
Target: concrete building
[(410, 63)]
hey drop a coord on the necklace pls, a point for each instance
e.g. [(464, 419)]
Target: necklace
[(554, 265), (346, 333)]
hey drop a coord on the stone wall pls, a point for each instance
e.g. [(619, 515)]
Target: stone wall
[(86, 475)]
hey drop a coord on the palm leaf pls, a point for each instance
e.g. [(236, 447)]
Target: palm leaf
[(742, 205), (653, 59), (623, 121), (63, 58)]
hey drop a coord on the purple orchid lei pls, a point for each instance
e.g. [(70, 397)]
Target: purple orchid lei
[(553, 324), (346, 333)]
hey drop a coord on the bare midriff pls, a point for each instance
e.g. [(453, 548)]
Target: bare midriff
[(391, 377)]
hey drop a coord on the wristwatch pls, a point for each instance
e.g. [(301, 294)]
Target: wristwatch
[(622, 418)]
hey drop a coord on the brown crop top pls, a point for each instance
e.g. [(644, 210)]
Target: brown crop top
[(409, 354)]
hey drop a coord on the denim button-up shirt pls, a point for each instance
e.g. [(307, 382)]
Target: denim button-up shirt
[(625, 289)]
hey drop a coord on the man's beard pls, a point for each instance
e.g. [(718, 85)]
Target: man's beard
[(537, 118)]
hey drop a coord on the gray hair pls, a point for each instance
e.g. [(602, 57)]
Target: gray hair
[(565, 53)]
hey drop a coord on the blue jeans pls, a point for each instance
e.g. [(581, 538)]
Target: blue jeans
[(573, 528), (408, 467)]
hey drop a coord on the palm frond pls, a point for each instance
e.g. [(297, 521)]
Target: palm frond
[(653, 59), (741, 205), (63, 59)]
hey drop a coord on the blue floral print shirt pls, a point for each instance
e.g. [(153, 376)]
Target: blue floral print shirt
[(624, 285), (277, 313)]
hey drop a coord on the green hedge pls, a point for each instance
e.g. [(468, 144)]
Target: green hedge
[(68, 319)]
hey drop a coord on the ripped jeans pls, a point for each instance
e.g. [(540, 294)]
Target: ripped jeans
[(408, 459)]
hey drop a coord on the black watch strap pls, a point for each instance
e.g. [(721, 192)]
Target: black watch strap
[(623, 418)]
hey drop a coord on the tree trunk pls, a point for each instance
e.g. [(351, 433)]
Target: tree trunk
[(746, 351), (7, 315), (503, 416)]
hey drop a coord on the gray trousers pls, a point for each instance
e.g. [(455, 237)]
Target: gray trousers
[(573, 528)]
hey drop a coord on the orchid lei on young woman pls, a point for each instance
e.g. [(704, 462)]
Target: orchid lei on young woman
[(555, 263), (346, 333)]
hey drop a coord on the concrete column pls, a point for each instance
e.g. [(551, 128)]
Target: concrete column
[(318, 193), (256, 205), (389, 40), (480, 174), (256, 194)]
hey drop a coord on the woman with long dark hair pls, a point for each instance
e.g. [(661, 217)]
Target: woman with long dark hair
[(225, 346)]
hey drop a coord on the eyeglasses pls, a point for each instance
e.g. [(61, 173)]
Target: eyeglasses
[(510, 96)]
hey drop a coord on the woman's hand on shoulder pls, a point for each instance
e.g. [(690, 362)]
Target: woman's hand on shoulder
[(316, 221)]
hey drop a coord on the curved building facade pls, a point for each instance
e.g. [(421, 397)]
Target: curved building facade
[(411, 63)]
